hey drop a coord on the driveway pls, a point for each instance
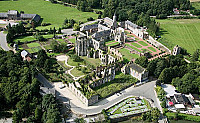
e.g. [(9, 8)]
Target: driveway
[(3, 41), (67, 97)]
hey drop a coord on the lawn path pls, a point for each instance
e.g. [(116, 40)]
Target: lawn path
[(65, 58)]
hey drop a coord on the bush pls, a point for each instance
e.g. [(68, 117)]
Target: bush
[(90, 19)]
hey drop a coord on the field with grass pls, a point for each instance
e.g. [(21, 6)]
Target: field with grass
[(126, 54), (115, 85), (51, 13), (142, 43), (73, 40), (184, 32), (30, 45), (133, 48), (92, 61), (76, 72)]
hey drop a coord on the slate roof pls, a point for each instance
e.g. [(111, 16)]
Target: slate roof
[(3, 15), (131, 24), (137, 68), (180, 98), (87, 27), (12, 12), (101, 34), (27, 16)]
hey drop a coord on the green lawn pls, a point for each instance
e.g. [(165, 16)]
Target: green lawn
[(51, 13), (184, 32), (113, 44), (126, 54), (24, 38), (146, 50), (107, 42), (73, 40), (47, 36), (92, 61), (152, 49), (30, 45), (129, 35), (142, 43), (36, 49), (136, 45), (76, 72), (47, 47), (133, 48), (115, 85), (72, 63), (188, 117)]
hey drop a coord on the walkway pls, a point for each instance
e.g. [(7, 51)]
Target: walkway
[(3, 41), (66, 96), (65, 58)]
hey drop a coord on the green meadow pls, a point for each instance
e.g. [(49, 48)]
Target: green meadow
[(51, 13), (184, 32)]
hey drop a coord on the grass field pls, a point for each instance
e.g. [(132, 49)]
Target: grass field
[(152, 49), (184, 32), (92, 61), (76, 72), (126, 54), (52, 13), (33, 45), (142, 43), (113, 44), (133, 48), (72, 40), (115, 85), (24, 39), (136, 45)]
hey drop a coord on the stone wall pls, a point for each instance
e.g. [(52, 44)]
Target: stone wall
[(81, 97), (152, 41)]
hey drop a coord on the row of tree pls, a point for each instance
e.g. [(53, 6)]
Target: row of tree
[(174, 69)]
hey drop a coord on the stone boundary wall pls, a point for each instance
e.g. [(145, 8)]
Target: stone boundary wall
[(152, 41), (81, 97)]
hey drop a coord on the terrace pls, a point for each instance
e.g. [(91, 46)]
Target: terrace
[(128, 107)]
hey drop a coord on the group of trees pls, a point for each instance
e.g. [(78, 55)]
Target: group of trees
[(13, 31), (19, 89), (152, 115), (174, 69), (69, 23), (58, 48)]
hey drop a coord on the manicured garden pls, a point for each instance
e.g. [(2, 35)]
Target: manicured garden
[(152, 49), (72, 40), (75, 72), (30, 45), (51, 13), (126, 54), (129, 106), (112, 44), (184, 32), (142, 43), (121, 81), (136, 45), (134, 48)]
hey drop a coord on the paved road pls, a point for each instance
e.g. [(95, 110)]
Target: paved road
[(145, 90), (3, 41)]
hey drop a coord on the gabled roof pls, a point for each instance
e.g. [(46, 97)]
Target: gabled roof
[(12, 12), (3, 15), (131, 24), (87, 27), (101, 34), (24, 53), (136, 67)]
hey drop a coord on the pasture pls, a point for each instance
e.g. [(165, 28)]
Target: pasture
[(184, 32), (51, 13)]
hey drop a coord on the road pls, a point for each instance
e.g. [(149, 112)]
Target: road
[(145, 90), (3, 41)]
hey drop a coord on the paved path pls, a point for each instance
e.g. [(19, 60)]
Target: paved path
[(65, 58), (3, 41), (66, 96)]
